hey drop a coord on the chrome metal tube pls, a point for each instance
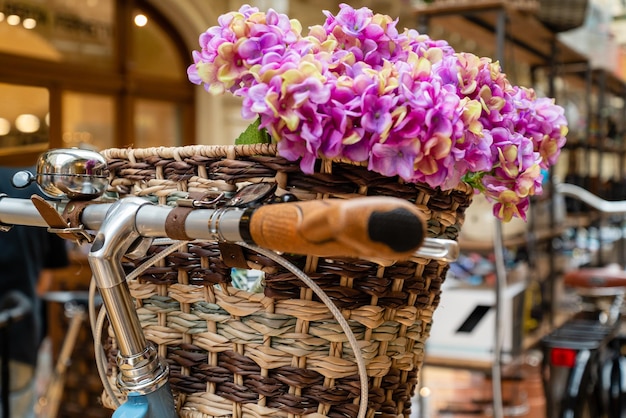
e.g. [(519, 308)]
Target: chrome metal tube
[(141, 370), (149, 220), (19, 212), (203, 224), (439, 249), (123, 318), (604, 206), (115, 236)]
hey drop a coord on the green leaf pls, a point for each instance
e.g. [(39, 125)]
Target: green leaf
[(254, 135), (475, 180)]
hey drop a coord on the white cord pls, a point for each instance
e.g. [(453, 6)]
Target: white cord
[(175, 246), (97, 327), (343, 323), (92, 305), (100, 356)]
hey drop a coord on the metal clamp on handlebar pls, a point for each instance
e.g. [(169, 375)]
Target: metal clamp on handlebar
[(175, 221)]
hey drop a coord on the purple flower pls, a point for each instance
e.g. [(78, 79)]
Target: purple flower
[(392, 160), (252, 50), (408, 105), (350, 20), (310, 89), (376, 113)]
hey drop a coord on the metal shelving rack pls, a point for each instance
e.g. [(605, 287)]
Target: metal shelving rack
[(506, 24)]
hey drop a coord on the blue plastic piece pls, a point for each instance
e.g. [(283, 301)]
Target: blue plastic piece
[(136, 406)]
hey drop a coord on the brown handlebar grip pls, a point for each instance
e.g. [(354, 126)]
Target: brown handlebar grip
[(382, 227)]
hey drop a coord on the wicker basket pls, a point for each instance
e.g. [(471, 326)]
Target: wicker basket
[(556, 15), (280, 353), (562, 15), (522, 5)]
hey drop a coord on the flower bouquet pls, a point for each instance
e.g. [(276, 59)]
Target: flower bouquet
[(356, 88), (353, 108)]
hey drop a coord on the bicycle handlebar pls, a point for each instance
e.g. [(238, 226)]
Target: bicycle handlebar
[(604, 206), (384, 227), (13, 307)]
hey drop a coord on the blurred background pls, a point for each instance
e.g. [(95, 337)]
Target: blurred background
[(107, 73), (112, 73)]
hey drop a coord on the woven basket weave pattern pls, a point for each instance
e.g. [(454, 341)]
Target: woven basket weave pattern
[(528, 5), (281, 353), (561, 15)]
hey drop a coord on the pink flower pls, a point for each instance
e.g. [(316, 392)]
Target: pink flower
[(351, 21), (377, 113), (408, 105), (390, 160)]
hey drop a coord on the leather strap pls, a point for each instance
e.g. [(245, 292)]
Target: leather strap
[(73, 211), (47, 212), (56, 222), (175, 223), (232, 255)]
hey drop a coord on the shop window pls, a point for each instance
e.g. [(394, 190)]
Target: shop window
[(108, 72), (87, 120), (23, 118), (156, 124), (59, 30)]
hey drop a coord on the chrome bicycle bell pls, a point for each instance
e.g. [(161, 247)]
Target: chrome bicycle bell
[(72, 173)]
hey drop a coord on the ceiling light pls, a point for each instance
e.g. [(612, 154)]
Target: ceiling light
[(5, 126), (13, 20), (1, 16), (141, 20), (29, 23), (27, 123)]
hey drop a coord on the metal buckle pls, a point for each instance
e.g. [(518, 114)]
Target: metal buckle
[(78, 232), (194, 203)]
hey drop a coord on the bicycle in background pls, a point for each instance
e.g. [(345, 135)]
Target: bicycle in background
[(584, 363)]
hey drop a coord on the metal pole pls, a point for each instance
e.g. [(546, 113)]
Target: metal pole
[(602, 132), (496, 366), (550, 303)]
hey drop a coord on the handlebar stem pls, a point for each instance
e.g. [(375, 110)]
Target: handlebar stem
[(141, 370)]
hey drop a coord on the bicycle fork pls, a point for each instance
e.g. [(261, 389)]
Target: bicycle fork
[(143, 376)]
